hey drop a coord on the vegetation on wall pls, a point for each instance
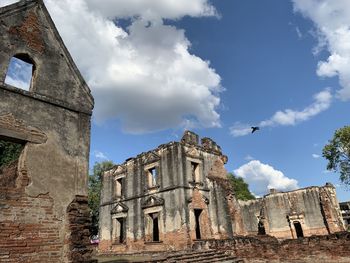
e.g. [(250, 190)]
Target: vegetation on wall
[(9, 152), (240, 187), (337, 152), (95, 184)]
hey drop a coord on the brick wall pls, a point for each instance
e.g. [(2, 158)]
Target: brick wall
[(79, 219), (334, 248), (29, 230)]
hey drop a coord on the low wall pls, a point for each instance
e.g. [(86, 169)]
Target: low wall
[(334, 248)]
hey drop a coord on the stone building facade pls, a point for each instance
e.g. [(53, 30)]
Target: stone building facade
[(345, 211), (165, 198), (300, 213), (44, 216), (179, 193)]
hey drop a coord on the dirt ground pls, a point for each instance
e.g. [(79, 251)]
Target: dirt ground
[(123, 259)]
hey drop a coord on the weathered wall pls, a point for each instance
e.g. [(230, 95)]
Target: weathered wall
[(52, 119), (176, 195), (315, 208), (331, 249)]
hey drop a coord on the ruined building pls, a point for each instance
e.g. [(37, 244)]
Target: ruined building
[(44, 215), (345, 211), (172, 196), (303, 212), (164, 199)]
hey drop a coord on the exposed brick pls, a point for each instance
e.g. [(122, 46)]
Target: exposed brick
[(30, 32)]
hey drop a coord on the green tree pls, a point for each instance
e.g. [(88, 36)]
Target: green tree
[(9, 152), (240, 187), (337, 152), (95, 184)]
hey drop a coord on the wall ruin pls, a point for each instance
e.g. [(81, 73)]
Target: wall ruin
[(303, 212), (168, 191), (51, 120), (183, 185)]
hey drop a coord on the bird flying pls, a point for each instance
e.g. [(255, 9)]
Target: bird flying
[(255, 128)]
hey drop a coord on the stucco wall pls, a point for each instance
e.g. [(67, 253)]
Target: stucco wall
[(315, 208), (176, 193), (57, 110)]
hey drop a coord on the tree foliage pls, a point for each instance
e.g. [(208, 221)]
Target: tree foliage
[(240, 187), (95, 184), (9, 152), (337, 152)]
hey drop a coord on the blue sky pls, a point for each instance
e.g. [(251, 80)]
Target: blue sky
[(216, 67)]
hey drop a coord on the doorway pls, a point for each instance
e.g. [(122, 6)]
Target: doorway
[(298, 229), (155, 227), (197, 213)]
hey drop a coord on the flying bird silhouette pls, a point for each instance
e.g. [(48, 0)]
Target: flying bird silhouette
[(254, 129)]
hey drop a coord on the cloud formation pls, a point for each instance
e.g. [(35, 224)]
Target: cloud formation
[(332, 21), (143, 75), (316, 156), (152, 9), (100, 155), (262, 177), (288, 117)]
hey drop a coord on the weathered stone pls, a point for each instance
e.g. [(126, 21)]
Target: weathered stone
[(52, 121), (169, 187), (177, 194)]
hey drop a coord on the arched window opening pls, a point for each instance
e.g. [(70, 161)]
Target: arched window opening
[(9, 155), (20, 72)]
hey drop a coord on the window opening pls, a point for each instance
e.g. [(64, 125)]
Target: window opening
[(119, 187), (121, 237), (195, 171), (155, 227), (152, 177), (197, 213), (9, 155), (20, 72), (298, 229)]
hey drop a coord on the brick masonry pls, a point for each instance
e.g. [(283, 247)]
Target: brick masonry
[(29, 31), (29, 230), (79, 224), (43, 208), (331, 249)]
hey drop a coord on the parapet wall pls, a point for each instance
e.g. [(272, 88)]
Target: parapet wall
[(331, 249)]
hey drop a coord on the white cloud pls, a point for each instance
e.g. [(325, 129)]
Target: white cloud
[(316, 156), (144, 76), (249, 158), (240, 129), (288, 117), (152, 9), (100, 155), (7, 2), (297, 30), (17, 83), (332, 21), (262, 177)]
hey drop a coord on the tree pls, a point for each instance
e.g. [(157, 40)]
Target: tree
[(240, 187), (9, 152), (94, 185), (337, 152)]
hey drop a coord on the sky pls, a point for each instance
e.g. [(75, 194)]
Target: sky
[(216, 67)]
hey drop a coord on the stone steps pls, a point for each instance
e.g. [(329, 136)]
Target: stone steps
[(190, 255), (205, 256)]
